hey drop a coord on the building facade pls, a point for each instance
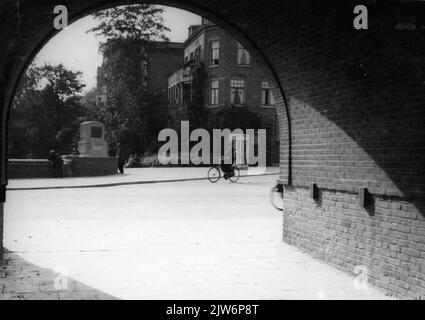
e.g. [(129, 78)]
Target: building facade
[(160, 60), (232, 79)]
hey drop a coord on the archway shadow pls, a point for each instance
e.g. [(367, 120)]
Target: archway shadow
[(360, 95), (23, 280)]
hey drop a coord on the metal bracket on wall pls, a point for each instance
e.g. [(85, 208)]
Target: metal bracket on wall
[(314, 191), (365, 198)]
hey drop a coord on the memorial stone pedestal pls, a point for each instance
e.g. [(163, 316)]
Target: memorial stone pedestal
[(92, 139)]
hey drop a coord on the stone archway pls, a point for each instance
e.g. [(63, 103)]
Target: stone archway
[(353, 118)]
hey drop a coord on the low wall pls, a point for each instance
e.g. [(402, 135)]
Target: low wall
[(33, 168), (387, 241), (74, 166), (90, 166)]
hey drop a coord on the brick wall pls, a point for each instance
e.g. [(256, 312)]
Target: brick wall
[(390, 242), (229, 68), (355, 103), (356, 113), (29, 168), (90, 166), (162, 63), (74, 166)]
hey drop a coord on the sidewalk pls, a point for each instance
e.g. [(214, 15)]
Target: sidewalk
[(130, 176)]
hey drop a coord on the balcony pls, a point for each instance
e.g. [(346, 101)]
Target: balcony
[(184, 74), (181, 75)]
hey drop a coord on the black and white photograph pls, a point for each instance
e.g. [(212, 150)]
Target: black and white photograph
[(191, 151)]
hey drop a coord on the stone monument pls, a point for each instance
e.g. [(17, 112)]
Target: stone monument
[(92, 140)]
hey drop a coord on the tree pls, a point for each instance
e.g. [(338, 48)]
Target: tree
[(139, 21), (89, 99), (45, 112), (89, 102), (198, 113), (133, 114)]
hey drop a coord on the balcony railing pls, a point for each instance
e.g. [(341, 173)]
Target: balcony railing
[(183, 74)]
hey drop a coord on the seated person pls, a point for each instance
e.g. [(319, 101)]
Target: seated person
[(57, 163)]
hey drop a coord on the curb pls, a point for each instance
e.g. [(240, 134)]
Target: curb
[(105, 185)]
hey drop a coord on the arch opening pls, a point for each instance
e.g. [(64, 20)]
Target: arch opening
[(256, 53)]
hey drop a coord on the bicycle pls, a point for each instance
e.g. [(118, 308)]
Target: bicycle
[(214, 174), (276, 196)]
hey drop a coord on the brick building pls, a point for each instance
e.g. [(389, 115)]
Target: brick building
[(233, 79), (160, 60)]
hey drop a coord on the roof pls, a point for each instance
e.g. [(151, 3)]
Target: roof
[(154, 43), (168, 44), (202, 27)]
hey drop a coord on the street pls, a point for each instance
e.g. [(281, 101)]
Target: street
[(176, 240)]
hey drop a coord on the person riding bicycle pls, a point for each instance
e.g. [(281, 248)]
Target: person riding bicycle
[(228, 163)]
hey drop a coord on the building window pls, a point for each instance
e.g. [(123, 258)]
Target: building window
[(214, 92), (237, 91), (243, 56), (266, 94), (215, 52), (197, 55)]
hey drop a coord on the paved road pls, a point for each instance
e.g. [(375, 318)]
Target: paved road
[(130, 176), (181, 240)]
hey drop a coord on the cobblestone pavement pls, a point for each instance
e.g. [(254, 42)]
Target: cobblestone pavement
[(180, 240)]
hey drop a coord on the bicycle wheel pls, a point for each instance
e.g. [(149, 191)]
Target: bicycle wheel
[(214, 174), (276, 198), (236, 176)]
